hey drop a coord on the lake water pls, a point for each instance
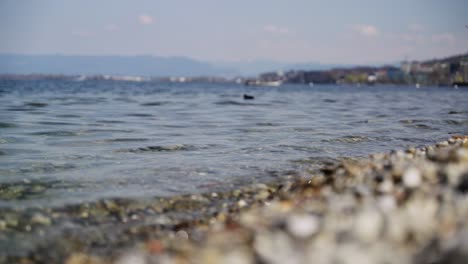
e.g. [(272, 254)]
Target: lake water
[(64, 142)]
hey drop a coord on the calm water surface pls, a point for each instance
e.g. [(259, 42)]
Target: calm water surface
[(65, 142)]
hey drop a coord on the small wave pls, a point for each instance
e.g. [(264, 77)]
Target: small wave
[(53, 123), (108, 130), (268, 124), (110, 121), (329, 101), (155, 103), (14, 151), (36, 104), (168, 148), (302, 148), (457, 112), (232, 102), (56, 133), (418, 124), (454, 122), (349, 139), (412, 121), (19, 109), (68, 116), (422, 126), (304, 129), (122, 140), (7, 125), (85, 101), (140, 115)]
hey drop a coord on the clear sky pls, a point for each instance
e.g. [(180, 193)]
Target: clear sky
[(328, 31)]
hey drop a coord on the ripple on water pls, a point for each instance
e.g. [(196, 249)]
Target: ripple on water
[(157, 103), (140, 115), (108, 131), (237, 103), (457, 112), (54, 123), (349, 139), (68, 116), (168, 148), (418, 124), (56, 133), (267, 124), (7, 125), (19, 109), (455, 122), (85, 101), (15, 151), (36, 104), (112, 140), (110, 121)]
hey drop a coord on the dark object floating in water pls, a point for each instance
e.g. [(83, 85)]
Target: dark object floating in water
[(248, 97)]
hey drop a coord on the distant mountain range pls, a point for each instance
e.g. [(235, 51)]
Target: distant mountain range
[(111, 65), (141, 66)]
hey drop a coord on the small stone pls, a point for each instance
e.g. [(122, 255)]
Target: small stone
[(462, 155), (386, 186), (79, 258), (442, 144), (262, 195), (182, 235), (412, 178), (241, 203), (3, 225), (135, 257), (303, 226), (463, 184), (387, 203), (411, 150), (40, 220), (368, 225), (154, 247)]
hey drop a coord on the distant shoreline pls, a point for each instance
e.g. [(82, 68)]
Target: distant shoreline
[(188, 80)]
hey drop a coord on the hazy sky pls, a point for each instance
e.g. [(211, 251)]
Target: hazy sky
[(329, 31)]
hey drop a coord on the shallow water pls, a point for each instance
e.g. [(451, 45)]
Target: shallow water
[(64, 142)]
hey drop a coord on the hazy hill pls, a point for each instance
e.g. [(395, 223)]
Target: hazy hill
[(141, 66), (112, 65)]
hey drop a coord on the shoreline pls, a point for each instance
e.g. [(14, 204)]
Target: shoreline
[(401, 207)]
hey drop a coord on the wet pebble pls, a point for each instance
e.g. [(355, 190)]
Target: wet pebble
[(412, 177), (303, 226)]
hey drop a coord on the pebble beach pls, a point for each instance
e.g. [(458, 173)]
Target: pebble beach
[(405, 206)]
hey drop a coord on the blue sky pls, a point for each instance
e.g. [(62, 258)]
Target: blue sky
[(328, 31)]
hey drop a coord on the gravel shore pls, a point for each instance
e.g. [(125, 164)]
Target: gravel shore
[(401, 207)]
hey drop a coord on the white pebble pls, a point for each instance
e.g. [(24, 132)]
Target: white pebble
[(386, 186), (241, 203), (412, 178), (303, 226), (387, 203), (132, 258), (368, 225)]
